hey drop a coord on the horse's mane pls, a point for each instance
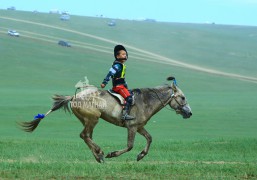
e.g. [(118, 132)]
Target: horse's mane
[(151, 88)]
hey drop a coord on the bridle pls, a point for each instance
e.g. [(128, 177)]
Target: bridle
[(180, 106), (175, 98), (172, 97)]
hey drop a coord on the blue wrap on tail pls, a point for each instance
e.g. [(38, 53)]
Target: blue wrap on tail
[(41, 116)]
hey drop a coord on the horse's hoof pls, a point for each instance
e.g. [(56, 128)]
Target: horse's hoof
[(141, 156), (101, 159), (108, 156), (111, 154)]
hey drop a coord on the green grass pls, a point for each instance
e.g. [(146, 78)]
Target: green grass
[(218, 142), (48, 159)]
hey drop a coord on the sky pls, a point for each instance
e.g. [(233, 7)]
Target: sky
[(231, 12)]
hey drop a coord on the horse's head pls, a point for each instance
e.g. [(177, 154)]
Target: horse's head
[(178, 101)]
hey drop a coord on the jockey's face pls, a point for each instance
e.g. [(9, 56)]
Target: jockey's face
[(122, 56)]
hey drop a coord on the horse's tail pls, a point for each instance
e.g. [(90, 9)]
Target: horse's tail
[(60, 101)]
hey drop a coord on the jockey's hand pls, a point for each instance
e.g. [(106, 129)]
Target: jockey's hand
[(103, 85)]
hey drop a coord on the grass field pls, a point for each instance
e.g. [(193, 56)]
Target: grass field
[(218, 142)]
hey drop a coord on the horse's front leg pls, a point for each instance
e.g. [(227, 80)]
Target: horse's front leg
[(130, 144), (148, 137)]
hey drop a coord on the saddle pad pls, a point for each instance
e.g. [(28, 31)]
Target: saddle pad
[(117, 96)]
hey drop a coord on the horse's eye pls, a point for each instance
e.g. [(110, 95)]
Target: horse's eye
[(183, 98)]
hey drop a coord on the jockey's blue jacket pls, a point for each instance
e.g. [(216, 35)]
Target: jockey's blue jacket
[(117, 73)]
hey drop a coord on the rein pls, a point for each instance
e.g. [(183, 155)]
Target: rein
[(159, 98)]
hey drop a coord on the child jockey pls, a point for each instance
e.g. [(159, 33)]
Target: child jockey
[(117, 73)]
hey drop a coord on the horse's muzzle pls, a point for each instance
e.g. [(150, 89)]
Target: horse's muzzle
[(186, 112)]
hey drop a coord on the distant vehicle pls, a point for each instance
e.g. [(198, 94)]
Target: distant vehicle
[(150, 20), (65, 17), (11, 8), (13, 33), (112, 23), (54, 11), (64, 43), (65, 13)]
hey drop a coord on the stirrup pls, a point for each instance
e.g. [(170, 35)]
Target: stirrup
[(127, 117)]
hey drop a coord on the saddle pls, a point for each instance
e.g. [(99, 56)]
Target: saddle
[(120, 99), (117, 96)]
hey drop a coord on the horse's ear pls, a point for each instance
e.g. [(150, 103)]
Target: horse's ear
[(173, 86), (171, 78)]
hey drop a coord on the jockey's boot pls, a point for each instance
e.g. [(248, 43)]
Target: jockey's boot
[(126, 109), (126, 116)]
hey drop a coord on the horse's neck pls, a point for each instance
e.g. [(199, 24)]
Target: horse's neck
[(156, 98)]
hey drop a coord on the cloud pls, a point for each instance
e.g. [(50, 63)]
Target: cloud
[(246, 1), (235, 1)]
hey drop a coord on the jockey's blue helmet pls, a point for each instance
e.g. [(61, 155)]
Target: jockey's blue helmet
[(117, 48)]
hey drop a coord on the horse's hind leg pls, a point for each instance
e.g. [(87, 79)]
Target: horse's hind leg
[(148, 137), (86, 135)]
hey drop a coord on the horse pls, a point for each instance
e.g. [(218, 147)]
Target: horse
[(91, 104)]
